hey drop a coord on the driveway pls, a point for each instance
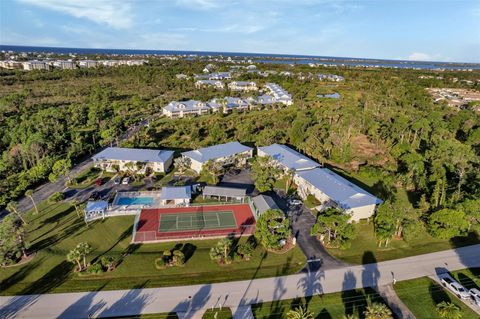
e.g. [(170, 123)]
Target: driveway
[(301, 221)]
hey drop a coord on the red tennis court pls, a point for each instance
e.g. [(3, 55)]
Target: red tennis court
[(163, 224)]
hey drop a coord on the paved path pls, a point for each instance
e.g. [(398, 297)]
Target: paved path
[(394, 302), (243, 312), (234, 294)]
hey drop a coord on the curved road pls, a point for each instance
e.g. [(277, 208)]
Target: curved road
[(236, 295)]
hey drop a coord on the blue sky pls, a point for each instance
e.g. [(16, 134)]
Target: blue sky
[(391, 29)]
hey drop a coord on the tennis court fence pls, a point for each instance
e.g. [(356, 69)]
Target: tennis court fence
[(153, 236)]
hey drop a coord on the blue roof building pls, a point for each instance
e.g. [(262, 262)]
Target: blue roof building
[(221, 152), (287, 158), (176, 195), (115, 158), (333, 190), (95, 210)]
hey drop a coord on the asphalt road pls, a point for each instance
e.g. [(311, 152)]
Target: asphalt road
[(188, 299)]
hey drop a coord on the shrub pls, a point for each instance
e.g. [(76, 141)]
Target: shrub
[(178, 258), (160, 263), (167, 256), (94, 269), (107, 262), (246, 249), (56, 197)]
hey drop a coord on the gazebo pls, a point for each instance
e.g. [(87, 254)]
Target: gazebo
[(95, 210)]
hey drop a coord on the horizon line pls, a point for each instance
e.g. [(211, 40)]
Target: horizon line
[(252, 53)]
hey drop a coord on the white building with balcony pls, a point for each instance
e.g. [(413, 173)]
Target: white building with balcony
[(224, 153), (185, 108), (140, 161), (242, 86)]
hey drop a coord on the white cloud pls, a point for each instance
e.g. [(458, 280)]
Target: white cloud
[(420, 56), (200, 4), (116, 14)]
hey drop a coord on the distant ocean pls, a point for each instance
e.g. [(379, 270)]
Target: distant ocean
[(261, 57)]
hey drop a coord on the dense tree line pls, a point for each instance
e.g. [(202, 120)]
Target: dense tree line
[(385, 124)]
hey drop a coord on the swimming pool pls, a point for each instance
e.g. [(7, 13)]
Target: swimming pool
[(135, 201)]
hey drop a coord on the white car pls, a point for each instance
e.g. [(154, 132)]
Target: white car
[(295, 202), (452, 285), (475, 296), (126, 180)]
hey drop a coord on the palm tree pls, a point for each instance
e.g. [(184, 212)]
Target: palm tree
[(84, 249), (378, 311), (29, 194), (74, 203), (448, 310), (300, 313), (74, 257), (288, 180), (221, 251), (12, 207)]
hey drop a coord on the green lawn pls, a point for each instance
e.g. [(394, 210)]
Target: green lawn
[(423, 294), (334, 305), (57, 229), (224, 313), (365, 245)]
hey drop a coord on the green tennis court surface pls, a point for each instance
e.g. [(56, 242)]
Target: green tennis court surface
[(196, 221)]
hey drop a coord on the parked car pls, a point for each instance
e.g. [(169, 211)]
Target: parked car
[(98, 182), (475, 296), (94, 196), (452, 285), (295, 202), (126, 180), (117, 180)]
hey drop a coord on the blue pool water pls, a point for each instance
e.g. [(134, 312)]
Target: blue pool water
[(135, 201)]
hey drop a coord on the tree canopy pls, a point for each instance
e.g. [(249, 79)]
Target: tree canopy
[(272, 227)]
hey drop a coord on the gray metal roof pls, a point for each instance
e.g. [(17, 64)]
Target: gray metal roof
[(133, 154), (243, 83), (288, 157), (264, 203), (346, 194), (224, 191), (210, 82), (205, 154), (190, 105), (266, 99), (176, 192), (233, 102)]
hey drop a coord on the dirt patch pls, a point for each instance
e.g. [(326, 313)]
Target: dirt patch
[(364, 151)]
